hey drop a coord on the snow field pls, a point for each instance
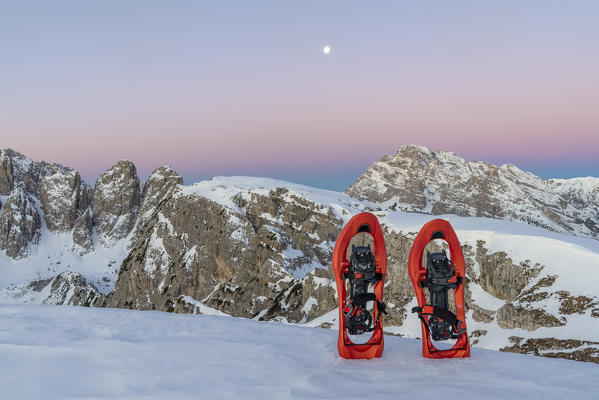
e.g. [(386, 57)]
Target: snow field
[(61, 352)]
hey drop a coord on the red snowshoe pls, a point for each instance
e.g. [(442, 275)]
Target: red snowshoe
[(364, 271), (439, 276)]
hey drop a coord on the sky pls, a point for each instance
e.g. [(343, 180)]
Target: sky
[(244, 88)]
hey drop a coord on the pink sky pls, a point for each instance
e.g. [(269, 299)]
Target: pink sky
[(246, 89)]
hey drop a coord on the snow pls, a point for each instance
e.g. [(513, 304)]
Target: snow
[(54, 255), (483, 298), (311, 302), (222, 190), (201, 307), (53, 352), (588, 185), (328, 318)]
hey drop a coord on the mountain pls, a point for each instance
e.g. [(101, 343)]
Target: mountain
[(420, 180), (71, 352), (260, 248)]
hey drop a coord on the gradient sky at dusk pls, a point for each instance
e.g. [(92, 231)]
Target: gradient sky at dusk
[(243, 88)]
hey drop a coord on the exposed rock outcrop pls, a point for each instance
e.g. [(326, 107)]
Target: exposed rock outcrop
[(82, 233), (161, 184), (67, 288), (63, 197), (510, 316), (20, 224), (580, 350), (40, 190), (7, 177), (499, 276), (15, 169), (116, 202)]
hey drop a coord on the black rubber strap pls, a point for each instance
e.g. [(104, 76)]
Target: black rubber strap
[(440, 313), (361, 299), (453, 285), (445, 315)]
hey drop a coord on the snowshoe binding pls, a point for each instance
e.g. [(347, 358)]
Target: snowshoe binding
[(365, 272)]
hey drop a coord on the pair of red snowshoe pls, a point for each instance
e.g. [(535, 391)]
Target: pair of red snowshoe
[(361, 309)]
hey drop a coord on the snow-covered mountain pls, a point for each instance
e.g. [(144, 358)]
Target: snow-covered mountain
[(260, 248), (50, 352), (418, 179)]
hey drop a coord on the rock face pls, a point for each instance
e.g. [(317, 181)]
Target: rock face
[(160, 185), (16, 168), (20, 224), (499, 276), (579, 350), (36, 191), (67, 288), (6, 173), (116, 202), (418, 179), (247, 262), (510, 317), (56, 195), (82, 233), (64, 198)]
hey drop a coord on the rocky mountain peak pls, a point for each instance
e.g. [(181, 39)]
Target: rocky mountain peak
[(6, 172), (116, 202), (64, 197), (14, 168), (161, 184), (440, 182), (36, 195)]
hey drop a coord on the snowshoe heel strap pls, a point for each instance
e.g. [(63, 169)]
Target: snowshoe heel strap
[(362, 299), (442, 314)]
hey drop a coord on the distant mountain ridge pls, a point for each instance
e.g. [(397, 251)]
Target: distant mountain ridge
[(439, 182)]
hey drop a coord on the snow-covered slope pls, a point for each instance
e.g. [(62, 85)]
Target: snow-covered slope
[(53, 256), (55, 352)]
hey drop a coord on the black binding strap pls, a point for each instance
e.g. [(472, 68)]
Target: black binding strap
[(362, 299), (440, 313), (359, 302), (427, 283)]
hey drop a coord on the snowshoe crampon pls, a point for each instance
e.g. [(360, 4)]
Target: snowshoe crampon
[(365, 270), (439, 275)]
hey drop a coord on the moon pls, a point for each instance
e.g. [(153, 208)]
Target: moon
[(326, 49)]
